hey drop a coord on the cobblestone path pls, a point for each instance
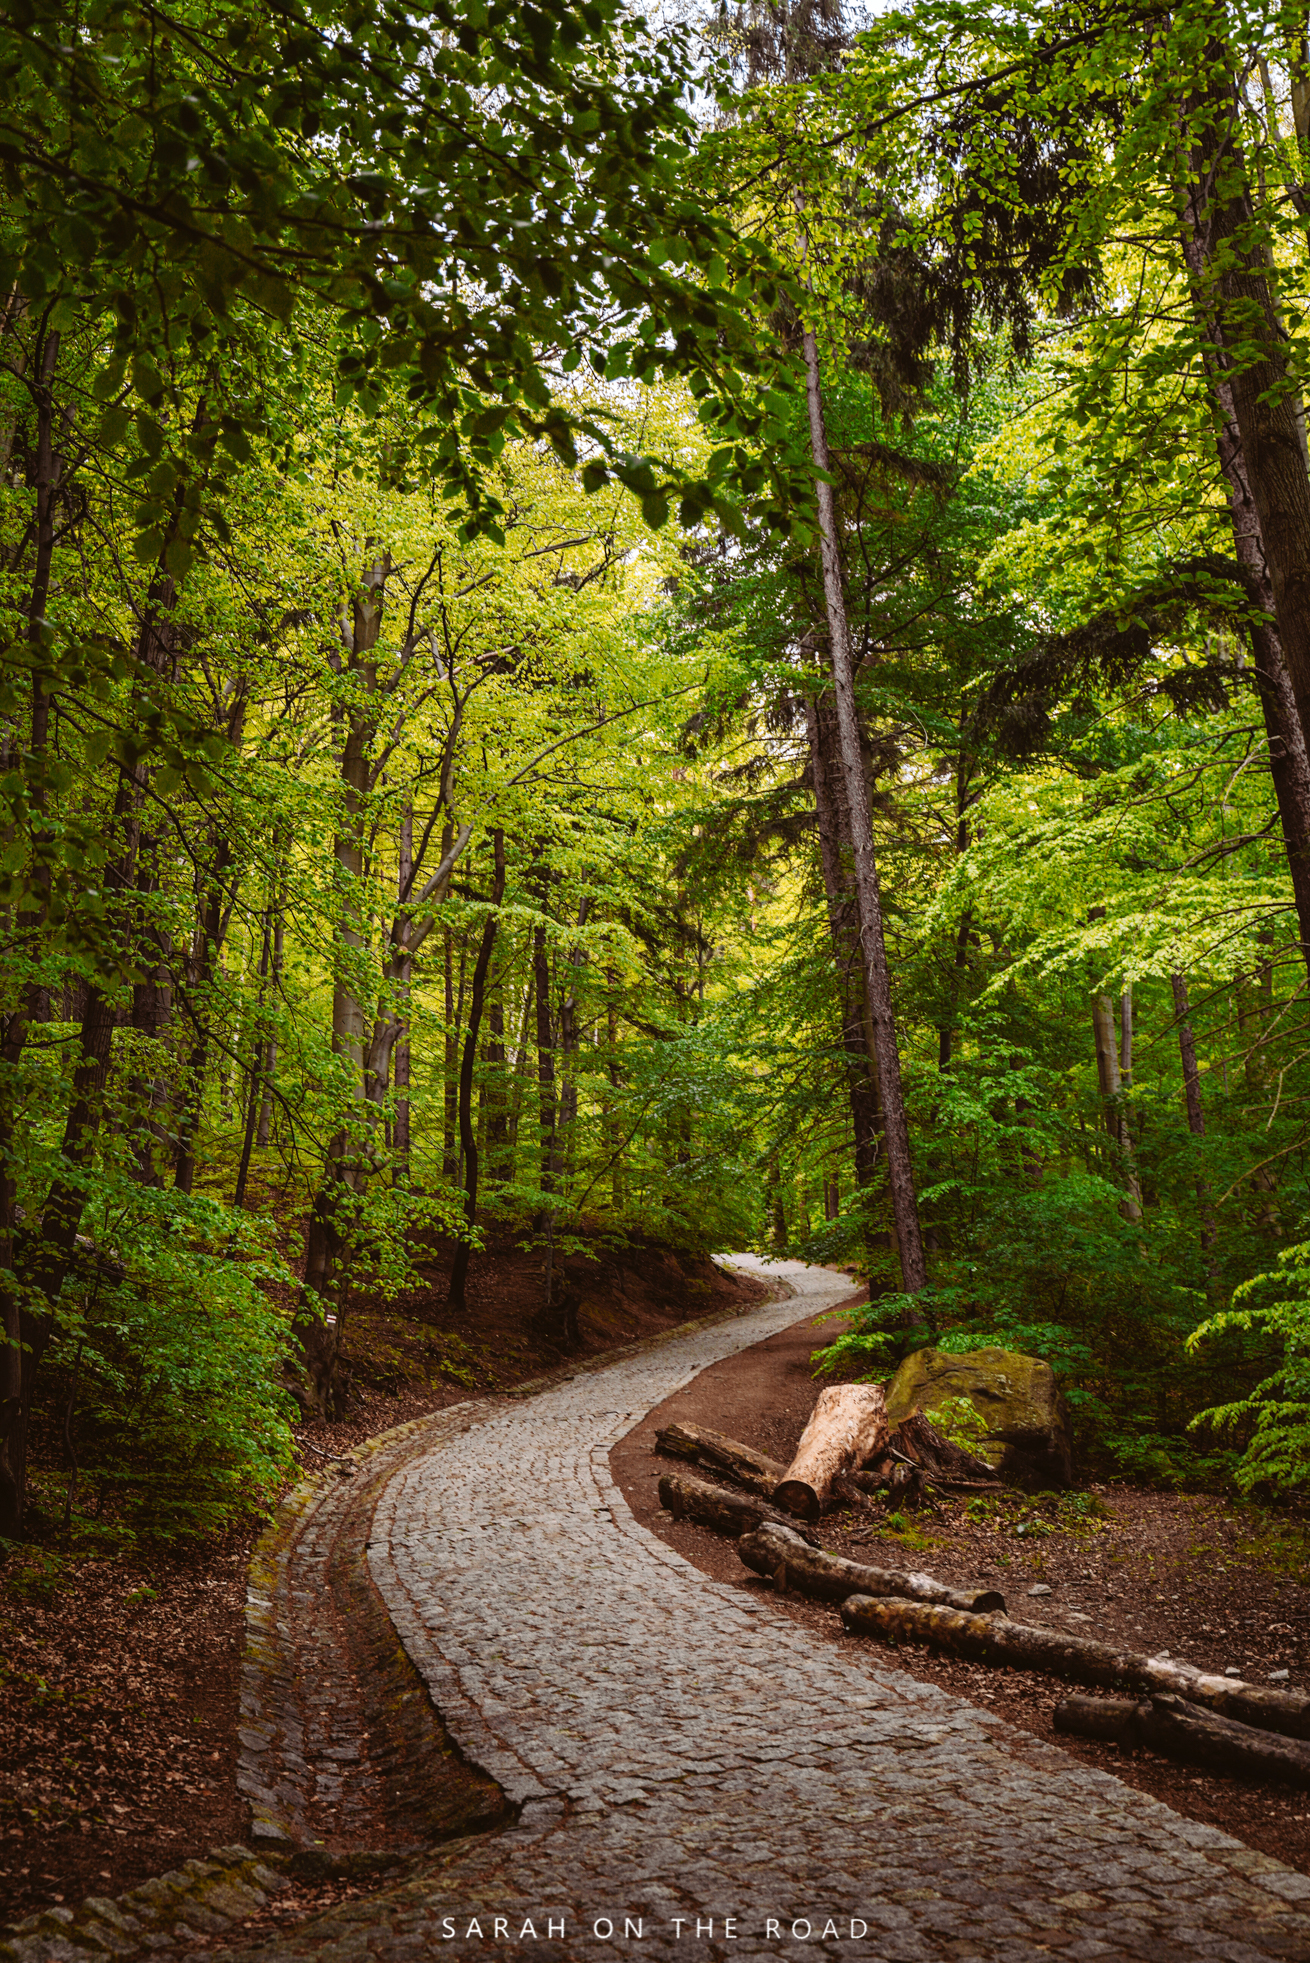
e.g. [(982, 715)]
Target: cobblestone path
[(689, 1765)]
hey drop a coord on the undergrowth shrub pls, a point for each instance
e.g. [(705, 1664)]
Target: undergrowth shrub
[(1273, 1417), (165, 1379)]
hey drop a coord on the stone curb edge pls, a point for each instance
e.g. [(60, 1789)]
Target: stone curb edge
[(271, 1825), (199, 1899)]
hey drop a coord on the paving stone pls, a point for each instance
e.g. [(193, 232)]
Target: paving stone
[(679, 1754)]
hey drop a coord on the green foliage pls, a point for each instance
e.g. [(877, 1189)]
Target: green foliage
[(1036, 1517), (1272, 1420), (171, 1357)]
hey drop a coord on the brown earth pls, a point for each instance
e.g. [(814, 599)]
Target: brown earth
[(119, 1679), (1210, 1579)]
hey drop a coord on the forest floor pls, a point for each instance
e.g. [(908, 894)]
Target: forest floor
[(119, 1678), (1208, 1578)]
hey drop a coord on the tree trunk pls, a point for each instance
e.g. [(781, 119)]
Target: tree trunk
[(856, 1029), (877, 982), (1195, 1111), (402, 1142), (1178, 1730), (848, 1426), (832, 1578), (544, 1221), (460, 1268), (1107, 1070), (1051, 1651), (1289, 760), (268, 1071), (1234, 295), (257, 1045), (320, 1320), (450, 1079), (206, 950), (522, 1071)]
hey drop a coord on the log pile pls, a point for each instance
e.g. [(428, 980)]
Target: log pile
[(995, 1639), (846, 1455), (847, 1451), (701, 1446)]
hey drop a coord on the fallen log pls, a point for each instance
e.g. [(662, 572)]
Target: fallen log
[(847, 1427), (701, 1446), (832, 1578), (995, 1639), (1181, 1730), (709, 1506)]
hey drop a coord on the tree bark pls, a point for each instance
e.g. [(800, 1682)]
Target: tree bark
[(207, 948), (1056, 1654), (702, 1446), (832, 1578), (404, 982), (877, 982), (460, 1267), (856, 1029), (710, 1506), (1195, 1110), (268, 1070), (1240, 316), (253, 1099), (1289, 759), (1179, 1730), (1107, 1070), (848, 1426)]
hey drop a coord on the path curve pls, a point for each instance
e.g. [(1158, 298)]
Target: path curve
[(679, 1755)]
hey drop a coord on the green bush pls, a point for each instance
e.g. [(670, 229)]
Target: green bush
[(171, 1352), (1274, 1417)]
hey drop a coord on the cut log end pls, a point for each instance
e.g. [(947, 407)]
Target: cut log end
[(795, 1496), (847, 1428)]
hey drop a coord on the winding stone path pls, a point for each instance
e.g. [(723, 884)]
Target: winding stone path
[(688, 1765)]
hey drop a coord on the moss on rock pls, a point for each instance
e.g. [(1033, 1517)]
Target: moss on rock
[(1027, 1436)]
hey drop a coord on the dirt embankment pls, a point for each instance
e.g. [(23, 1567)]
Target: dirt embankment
[(1196, 1575), (119, 1680)]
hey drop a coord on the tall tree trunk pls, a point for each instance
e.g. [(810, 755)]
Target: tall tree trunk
[(148, 1088), (206, 950), (450, 1080), (569, 1037), (548, 1138), (1195, 1110), (1107, 1070), (877, 982), (477, 990), (404, 979), (328, 1228), (1289, 759), (614, 1140), (495, 1098), (268, 1066), (856, 1029), (1230, 276), (257, 1045), (522, 1070)]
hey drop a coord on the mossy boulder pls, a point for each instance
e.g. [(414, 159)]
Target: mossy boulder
[(1026, 1421)]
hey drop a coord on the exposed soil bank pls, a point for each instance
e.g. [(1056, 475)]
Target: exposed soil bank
[(1187, 1573)]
